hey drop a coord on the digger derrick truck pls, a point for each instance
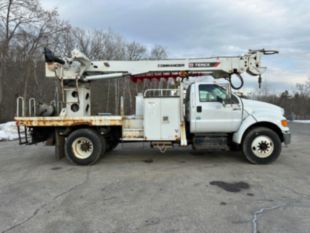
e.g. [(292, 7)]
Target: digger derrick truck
[(203, 114)]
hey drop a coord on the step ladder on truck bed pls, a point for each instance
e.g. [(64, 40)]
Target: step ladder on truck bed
[(23, 135), (24, 132)]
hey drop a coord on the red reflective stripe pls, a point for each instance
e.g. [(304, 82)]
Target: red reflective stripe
[(159, 75), (216, 64)]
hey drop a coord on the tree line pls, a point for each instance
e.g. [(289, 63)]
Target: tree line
[(296, 102), (26, 28)]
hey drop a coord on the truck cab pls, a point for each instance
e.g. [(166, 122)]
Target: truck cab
[(212, 108), (216, 117)]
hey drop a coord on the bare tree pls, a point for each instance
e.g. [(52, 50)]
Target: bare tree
[(135, 51), (25, 28), (301, 89), (158, 52)]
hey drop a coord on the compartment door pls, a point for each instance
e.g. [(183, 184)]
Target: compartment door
[(152, 118), (170, 118)]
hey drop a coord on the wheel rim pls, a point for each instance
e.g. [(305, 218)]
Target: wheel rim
[(82, 147), (262, 146)]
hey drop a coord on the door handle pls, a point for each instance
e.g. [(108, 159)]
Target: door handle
[(199, 109)]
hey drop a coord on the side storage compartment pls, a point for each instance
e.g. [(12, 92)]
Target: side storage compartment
[(162, 118)]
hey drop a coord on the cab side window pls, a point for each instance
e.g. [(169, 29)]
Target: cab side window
[(211, 93)]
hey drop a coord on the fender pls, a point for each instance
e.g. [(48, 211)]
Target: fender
[(269, 117), (246, 123), (252, 119)]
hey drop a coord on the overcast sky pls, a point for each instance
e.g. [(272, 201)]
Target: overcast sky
[(202, 28)]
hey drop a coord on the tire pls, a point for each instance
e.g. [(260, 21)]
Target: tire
[(84, 146), (261, 146)]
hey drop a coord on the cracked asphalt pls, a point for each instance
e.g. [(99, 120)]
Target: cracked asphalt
[(138, 189)]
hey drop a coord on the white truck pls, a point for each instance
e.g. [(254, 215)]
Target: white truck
[(205, 115)]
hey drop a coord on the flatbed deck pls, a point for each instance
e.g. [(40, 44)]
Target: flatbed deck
[(69, 121)]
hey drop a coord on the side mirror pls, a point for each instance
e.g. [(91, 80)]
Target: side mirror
[(221, 100)]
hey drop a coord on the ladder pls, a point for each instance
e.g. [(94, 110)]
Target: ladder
[(65, 89), (23, 135), (23, 131)]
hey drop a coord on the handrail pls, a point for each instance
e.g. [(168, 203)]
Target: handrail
[(20, 100), (161, 93), (32, 106)]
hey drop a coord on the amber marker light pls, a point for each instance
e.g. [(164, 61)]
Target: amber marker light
[(284, 123)]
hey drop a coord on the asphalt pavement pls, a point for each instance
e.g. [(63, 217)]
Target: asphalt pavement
[(138, 189)]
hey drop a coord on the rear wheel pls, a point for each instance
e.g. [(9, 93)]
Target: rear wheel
[(261, 146), (84, 146)]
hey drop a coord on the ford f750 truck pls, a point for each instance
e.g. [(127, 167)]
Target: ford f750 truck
[(204, 115)]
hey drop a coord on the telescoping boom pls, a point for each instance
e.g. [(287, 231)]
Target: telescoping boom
[(81, 68)]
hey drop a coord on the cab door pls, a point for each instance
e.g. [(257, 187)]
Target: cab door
[(212, 113)]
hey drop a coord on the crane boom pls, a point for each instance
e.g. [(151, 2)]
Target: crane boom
[(79, 67)]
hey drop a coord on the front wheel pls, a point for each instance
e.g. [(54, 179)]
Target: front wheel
[(84, 146), (261, 146)]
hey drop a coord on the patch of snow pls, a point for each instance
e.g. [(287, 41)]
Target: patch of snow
[(8, 131), (302, 121)]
